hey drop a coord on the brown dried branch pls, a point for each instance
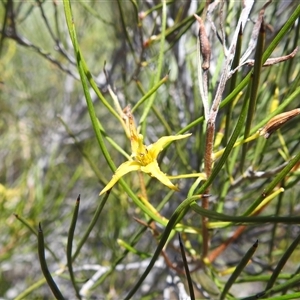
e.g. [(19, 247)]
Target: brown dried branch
[(255, 33), (252, 174), (275, 60), (268, 63), (210, 131)]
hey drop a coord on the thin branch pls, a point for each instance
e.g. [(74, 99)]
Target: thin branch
[(26, 43)]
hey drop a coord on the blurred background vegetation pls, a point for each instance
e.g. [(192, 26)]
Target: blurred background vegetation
[(49, 154)]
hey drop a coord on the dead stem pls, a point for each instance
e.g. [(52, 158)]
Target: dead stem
[(212, 114), (207, 168)]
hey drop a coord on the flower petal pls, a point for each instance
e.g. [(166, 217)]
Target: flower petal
[(123, 169), (154, 170), (158, 146)]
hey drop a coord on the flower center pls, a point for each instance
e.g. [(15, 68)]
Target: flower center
[(144, 158)]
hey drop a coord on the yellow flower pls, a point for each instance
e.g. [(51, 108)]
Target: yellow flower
[(144, 158)]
